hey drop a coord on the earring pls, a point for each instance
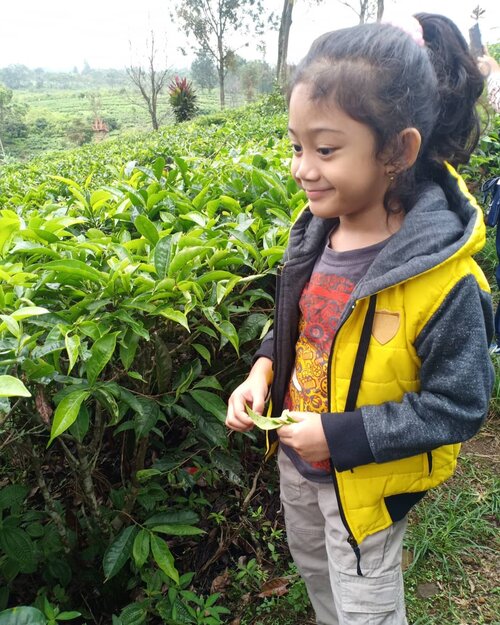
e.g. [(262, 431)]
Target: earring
[(391, 175)]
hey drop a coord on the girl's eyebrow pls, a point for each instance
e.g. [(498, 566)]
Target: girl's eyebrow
[(319, 130)]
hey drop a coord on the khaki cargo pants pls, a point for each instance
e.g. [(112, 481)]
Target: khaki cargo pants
[(327, 563)]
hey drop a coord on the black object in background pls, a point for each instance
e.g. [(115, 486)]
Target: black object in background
[(476, 44)]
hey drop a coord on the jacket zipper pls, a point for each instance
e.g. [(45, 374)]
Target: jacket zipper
[(279, 273), (350, 537)]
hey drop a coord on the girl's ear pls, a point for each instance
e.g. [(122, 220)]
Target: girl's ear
[(402, 152), (409, 142)]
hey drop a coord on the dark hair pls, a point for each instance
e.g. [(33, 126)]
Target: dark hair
[(381, 77)]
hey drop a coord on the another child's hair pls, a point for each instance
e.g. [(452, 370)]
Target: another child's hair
[(381, 77)]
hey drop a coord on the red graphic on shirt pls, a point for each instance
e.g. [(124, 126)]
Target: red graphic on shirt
[(321, 305)]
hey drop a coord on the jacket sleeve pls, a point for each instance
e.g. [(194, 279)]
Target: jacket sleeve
[(265, 348), (456, 380)]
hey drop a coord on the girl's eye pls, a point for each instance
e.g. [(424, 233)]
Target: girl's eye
[(296, 148), (326, 151)]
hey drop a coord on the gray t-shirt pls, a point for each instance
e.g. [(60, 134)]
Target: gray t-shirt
[(321, 304)]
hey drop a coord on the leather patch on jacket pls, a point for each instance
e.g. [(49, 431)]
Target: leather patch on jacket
[(385, 326)]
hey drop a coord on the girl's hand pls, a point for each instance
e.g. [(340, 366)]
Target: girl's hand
[(253, 392), (306, 437)]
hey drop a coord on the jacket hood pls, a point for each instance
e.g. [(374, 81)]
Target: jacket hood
[(444, 224)]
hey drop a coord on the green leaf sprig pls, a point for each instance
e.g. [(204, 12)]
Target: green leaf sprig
[(269, 423)]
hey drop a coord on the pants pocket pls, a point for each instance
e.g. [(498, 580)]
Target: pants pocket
[(290, 479), (372, 600)]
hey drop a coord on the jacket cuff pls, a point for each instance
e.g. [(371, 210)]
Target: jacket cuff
[(347, 440), (265, 349)]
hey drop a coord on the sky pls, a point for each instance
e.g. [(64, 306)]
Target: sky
[(59, 35)]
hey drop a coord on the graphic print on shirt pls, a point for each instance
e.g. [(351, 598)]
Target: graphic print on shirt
[(321, 304)]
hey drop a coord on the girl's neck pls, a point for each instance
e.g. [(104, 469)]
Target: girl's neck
[(353, 235)]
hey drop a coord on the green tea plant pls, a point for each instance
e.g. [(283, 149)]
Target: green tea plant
[(124, 307)]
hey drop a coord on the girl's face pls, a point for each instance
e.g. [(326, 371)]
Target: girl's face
[(334, 160)]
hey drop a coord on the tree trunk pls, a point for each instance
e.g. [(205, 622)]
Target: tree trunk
[(150, 82), (284, 32), (380, 10), (221, 71), (154, 99), (154, 119), (363, 11)]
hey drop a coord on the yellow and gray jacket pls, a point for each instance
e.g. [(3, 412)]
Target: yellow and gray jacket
[(428, 377)]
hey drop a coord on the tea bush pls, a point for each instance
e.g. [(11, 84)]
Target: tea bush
[(135, 275)]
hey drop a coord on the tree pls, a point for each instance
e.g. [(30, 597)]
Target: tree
[(367, 9), (16, 77), (203, 70), (11, 118), (79, 131), (256, 77), (380, 10), (150, 80), (283, 36), (213, 22)]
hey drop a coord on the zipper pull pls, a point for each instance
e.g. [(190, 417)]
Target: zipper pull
[(352, 542)]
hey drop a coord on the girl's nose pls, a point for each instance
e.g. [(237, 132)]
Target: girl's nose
[(305, 168)]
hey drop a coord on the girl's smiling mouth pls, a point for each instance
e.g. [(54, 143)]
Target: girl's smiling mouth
[(317, 194)]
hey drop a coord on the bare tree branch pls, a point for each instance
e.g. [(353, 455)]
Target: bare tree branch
[(150, 81)]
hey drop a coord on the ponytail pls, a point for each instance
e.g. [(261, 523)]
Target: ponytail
[(460, 84)]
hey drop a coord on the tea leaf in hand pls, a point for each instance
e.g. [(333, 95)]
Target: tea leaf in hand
[(269, 423)]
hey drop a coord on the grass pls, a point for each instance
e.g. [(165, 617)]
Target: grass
[(453, 543)]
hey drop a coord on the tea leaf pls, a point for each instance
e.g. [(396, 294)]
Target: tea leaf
[(67, 412), (164, 558), (101, 351), (140, 549), (210, 402), (22, 615), (269, 423), (12, 387), (178, 530), (146, 227), (72, 347), (119, 552), (76, 268), (162, 255)]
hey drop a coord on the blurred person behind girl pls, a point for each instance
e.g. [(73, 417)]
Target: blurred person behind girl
[(383, 319), (490, 69)]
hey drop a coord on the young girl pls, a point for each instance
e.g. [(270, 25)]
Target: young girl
[(383, 319)]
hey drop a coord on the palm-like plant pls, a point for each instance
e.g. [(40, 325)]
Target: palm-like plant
[(182, 98)]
